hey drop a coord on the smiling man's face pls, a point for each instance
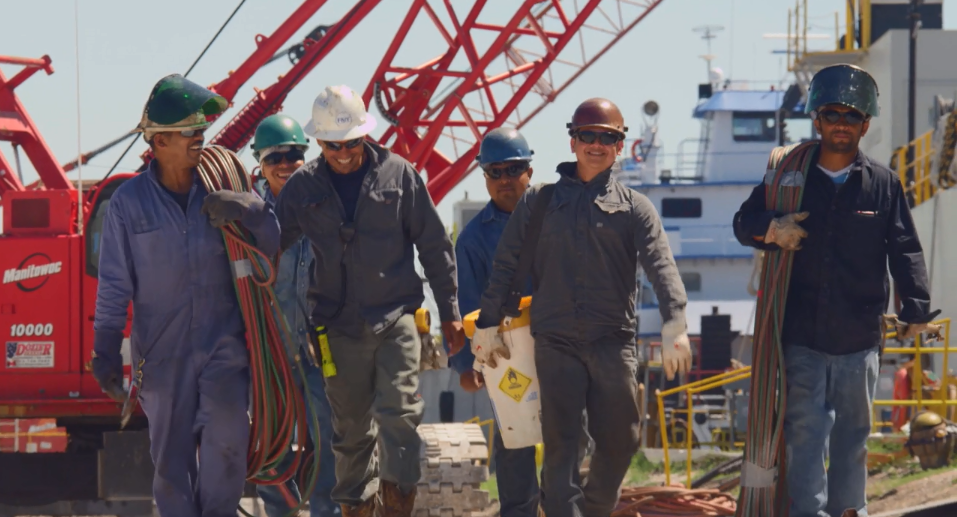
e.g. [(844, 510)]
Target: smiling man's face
[(183, 151)]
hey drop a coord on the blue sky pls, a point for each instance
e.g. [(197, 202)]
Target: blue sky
[(125, 47)]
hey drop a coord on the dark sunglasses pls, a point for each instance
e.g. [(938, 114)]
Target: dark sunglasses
[(604, 137), (851, 117), (512, 170), (291, 156), (189, 133), (350, 144)]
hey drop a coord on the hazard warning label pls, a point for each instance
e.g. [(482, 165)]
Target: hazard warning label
[(514, 384), (29, 354)]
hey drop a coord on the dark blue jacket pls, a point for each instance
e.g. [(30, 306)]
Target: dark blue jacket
[(474, 252)]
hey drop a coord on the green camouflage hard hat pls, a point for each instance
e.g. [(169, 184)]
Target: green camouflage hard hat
[(277, 130), (176, 104), (843, 84)]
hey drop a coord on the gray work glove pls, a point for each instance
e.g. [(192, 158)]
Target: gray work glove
[(108, 363), (786, 232), (225, 206)]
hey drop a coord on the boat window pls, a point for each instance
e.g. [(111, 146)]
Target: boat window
[(692, 281), (753, 126), (686, 207), (94, 226)]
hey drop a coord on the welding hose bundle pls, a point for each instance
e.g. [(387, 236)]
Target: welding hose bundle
[(279, 410), (672, 501), (763, 483)]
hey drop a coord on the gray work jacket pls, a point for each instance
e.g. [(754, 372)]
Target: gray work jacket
[(394, 212), (586, 266)]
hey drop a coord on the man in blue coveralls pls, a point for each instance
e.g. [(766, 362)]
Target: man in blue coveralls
[(162, 249), (506, 159), (279, 146)]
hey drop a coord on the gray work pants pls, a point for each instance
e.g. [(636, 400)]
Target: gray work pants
[(374, 398), (599, 377)]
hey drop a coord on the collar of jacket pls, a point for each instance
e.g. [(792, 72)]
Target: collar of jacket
[(492, 212), (153, 174), (569, 173), (862, 164)]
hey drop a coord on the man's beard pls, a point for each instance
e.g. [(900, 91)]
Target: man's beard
[(840, 147)]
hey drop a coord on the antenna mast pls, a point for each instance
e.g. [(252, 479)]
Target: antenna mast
[(708, 34)]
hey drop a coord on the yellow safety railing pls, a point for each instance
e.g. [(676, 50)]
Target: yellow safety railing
[(939, 404), (716, 381), (855, 13), (691, 389), (920, 188)]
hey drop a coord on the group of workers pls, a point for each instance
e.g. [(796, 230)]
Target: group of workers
[(345, 227)]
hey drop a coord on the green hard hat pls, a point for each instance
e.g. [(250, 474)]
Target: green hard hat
[(925, 420), (277, 130), (176, 103), (843, 84)]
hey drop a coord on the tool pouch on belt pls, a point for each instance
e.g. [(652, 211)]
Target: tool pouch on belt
[(431, 353), (933, 446)]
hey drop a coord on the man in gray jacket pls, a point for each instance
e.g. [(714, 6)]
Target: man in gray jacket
[(595, 233), (363, 209)]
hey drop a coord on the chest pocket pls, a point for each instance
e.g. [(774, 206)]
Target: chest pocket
[(381, 209), (610, 222), (320, 215)]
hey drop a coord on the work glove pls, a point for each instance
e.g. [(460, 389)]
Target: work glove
[(455, 335), (471, 381), (786, 232), (487, 347), (675, 348), (225, 206), (108, 363)]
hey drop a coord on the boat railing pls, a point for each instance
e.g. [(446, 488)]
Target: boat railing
[(914, 163)]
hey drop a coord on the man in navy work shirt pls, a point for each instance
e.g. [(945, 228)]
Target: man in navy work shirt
[(854, 223), (366, 211), (505, 157)]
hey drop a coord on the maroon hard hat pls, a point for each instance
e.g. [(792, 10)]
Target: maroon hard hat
[(597, 112)]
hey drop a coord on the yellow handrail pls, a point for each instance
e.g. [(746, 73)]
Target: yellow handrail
[(921, 188), (744, 373), (797, 41)]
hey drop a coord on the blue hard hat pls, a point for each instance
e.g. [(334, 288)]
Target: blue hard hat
[(503, 145)]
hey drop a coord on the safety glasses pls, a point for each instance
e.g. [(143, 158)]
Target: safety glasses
[(349, 144), (603, 137), (291, 156), (852, 118), (512, 170)]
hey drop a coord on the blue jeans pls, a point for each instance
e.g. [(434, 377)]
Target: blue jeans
[(828, 396), (320, 503), (517, 478)]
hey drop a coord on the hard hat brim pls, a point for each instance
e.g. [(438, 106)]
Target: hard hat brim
[(340, 136)]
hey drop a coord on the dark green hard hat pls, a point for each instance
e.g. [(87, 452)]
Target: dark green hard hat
[(276, 130), (176, 103), (843, 84)]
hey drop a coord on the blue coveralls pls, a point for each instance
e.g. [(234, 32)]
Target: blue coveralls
[(516, 472), (292, 282), (188, 328)]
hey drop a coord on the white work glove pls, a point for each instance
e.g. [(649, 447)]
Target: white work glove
[(487, 347), (786, 232), (675, 348)]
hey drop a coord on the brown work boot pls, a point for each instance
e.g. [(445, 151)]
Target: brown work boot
[(366, 509), (850, 512), (391, 502)]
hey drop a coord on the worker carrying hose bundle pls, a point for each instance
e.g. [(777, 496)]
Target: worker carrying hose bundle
[(279, 145), (162, 249), (364, 209), (594, 233), (853, 222)]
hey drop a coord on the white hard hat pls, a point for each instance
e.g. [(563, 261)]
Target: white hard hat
[(339, 114)]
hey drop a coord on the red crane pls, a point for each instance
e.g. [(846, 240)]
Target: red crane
[(436, 110)]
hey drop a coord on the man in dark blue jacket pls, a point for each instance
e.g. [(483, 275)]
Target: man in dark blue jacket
[(854, 222), (505, 158), (162, 250)]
